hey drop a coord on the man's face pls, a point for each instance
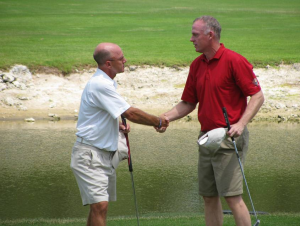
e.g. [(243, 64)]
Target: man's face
[(117, 61), (199, 38)]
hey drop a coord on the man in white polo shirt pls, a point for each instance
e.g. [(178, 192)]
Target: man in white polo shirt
[(97, 132)]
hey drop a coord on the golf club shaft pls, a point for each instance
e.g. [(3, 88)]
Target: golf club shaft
[(242, 170), (135, 201), (131, 172)]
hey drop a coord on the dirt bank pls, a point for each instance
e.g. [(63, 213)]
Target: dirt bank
[(154, 89)]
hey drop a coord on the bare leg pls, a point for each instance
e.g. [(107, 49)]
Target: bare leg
[(97, 215), (239, 210), (213, 211)]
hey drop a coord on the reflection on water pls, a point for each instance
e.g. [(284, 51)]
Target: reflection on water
[(36, 180)]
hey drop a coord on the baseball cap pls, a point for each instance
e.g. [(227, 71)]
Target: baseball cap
[(122, 152), (212, 139)]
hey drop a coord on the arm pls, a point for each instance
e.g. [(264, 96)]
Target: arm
[(182, 109), (252, 108), (138, 116)]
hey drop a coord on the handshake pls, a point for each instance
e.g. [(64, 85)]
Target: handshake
[(164, 123)]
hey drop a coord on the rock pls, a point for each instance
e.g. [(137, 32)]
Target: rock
[(19, 85), (29, 120), (9, 101), (23, 98), (3, 86), (21, 73), (280, 105), (8, 78), (132, 68), (22, 108), (9, 85), (296, 66), (54, 117)]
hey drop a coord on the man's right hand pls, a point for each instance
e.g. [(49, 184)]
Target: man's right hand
[(165, 123)]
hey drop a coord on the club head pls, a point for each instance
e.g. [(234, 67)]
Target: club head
[(257, 223)]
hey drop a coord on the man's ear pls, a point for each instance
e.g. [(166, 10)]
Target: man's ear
[(211, 34), (108, 64)]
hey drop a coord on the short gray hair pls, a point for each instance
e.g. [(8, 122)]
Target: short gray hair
[(211, 24), (101, 56)]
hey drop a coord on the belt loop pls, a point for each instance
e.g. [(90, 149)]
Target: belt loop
[(81, 139)]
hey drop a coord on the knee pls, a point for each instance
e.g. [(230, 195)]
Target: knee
[(234, 201), (99, 208), (211, 199)]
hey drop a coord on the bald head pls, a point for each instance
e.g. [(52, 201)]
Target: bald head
[(104, 51)]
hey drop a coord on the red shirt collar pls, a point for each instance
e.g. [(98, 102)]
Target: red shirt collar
[(217, 55)]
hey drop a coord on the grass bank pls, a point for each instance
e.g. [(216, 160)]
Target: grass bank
[(63, 34), (187, 220)]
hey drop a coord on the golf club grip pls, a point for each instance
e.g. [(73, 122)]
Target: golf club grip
[(226, 117), (227, 120), (127, 141)]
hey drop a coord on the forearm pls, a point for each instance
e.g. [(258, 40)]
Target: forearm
[(182, 109), (252, 108), (138, 116)]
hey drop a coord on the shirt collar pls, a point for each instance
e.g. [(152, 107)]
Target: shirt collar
[(101, 73), (217, 55)]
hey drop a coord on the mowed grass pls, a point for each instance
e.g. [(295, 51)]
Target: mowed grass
[(188, 220), (64, 34)]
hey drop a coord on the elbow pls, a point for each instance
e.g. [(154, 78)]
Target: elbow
[(129, 114), (262, 98)]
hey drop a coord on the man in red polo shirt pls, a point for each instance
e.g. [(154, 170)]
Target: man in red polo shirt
[(220, 78)]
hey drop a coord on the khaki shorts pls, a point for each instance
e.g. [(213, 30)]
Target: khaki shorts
[(219, 172), (95, 176)]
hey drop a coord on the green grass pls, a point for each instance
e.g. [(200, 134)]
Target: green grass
[(63, 34), (188, 220)]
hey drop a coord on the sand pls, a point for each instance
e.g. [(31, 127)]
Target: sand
[(154, 89)]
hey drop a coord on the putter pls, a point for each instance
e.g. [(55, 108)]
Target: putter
[(237, 154), (131, 170)]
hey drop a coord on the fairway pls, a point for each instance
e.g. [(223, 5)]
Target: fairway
[(171, 220), (63, 34)]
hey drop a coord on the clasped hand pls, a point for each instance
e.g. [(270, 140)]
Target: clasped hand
[(165, 123)]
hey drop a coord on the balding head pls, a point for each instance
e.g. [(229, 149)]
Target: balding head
[(104, 51)]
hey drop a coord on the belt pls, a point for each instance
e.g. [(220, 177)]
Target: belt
[(82, 141)]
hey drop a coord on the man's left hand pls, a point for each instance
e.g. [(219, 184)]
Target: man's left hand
[(236, 130), (124, 129)]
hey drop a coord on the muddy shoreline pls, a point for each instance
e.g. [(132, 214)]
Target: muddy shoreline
[(45, 96)]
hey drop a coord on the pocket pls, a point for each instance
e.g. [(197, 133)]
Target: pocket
[(96, 159), (227, 143), (85, 157), (100, 159)]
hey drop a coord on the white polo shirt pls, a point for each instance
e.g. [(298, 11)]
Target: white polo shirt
[(100, 108)]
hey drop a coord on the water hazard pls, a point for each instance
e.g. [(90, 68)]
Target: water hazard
[(36, 180)]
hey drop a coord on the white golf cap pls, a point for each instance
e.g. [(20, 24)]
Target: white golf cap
[(122, 152), (213, 139)]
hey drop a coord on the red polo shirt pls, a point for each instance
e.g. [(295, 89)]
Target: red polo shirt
[(224, 81)]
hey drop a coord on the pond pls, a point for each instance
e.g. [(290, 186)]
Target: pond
[(37, 182)]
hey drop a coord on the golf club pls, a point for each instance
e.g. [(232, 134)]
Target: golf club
[(131, 170), (237, 154)]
